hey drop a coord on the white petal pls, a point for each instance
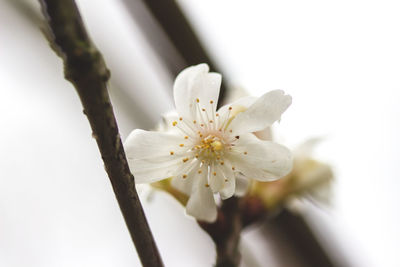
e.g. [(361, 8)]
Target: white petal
[(201, 204), (265, 111), (196, 83), (244, 102), (149, 155), (166, 122), (216, 178), (260, 160), (242, 185), (229, 180), (186, 185)]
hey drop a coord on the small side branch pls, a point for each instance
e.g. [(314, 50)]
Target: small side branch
[(85, 69), (225, 233)]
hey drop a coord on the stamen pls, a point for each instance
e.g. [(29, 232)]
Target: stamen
[(233, 168), (184, 176), (245, 153), (199, 171), (214, 173), (181, 145), (174, 123), (207, 185), (180, 118), (185, 159), (171, 153), (186, 137)]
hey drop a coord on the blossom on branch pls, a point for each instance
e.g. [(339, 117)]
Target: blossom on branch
[(208, 152)]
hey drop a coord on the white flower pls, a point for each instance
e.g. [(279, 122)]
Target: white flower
[(208, 152)]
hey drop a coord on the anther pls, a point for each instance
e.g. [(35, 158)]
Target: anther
[(181, 145), (180, 118), (184, 176), (185, 159), (230, 108), (202, 125), (197, 100), (214, 173), (245, 153), (237, 137), (226, 180), (207, 185), (211, 121), (199, 171), (186, 137), (222, 163), (216, 115), (233, 168), (230, 130), (203, 109), (194, 121), (197, 155), (174, 123), (171, 153), (211, 101)]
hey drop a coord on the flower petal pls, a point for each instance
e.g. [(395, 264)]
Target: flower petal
[(196, 83), (149, 155), (185, 185), (260, 160), (262, 113), (229, 180), (242, 185), (216, 178), (201, 204)]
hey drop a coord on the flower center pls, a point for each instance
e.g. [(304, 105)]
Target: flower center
[(210, 147)]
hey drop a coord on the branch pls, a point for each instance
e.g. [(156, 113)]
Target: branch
[(225, 233), (85, 69)]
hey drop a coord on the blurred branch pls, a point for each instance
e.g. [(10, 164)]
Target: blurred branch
[(295, 241), (180, 33), (225, 233), (85, 69)]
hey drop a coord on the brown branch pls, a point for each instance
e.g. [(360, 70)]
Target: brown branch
[(225, 233), (85, 69)]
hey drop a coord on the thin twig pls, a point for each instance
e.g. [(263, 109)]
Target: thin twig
[(85, 69), (225, 233)]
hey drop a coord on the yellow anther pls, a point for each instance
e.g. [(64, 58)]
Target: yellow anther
[(197, 155), (222, 163), (180, 118), (184, 176), (217, 145), (207, 185), (201, 135), (185, 159), (199, 171), (211, 101), (218, 157), (233, 168), (226, 180), (174, 123), (230, 108), (230, 131), (194, 121), (203, 109), (211, 121), (186, 137), (214, 173), (202, 125), (245, 153), (203, 161), (171, 153), (216, 115), (181, 145), (197, 100)]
